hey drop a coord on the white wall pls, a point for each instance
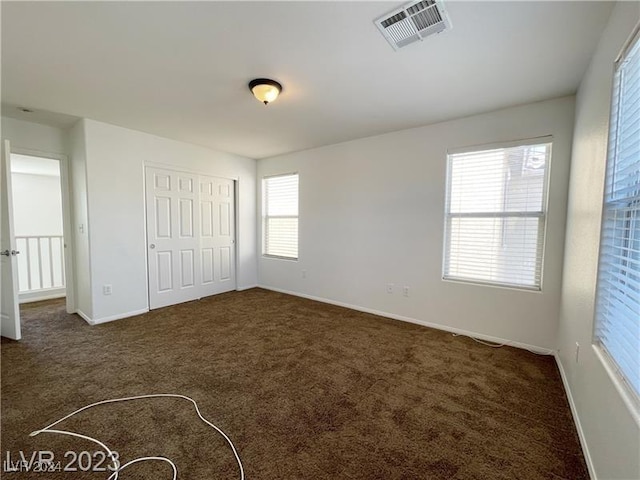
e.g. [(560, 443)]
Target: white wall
[(372, 213), (115, 159), (34, 136), (80, 221), (611, 433), (37, 204)]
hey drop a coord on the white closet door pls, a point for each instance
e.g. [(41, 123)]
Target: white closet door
[(173, 232), (217, 235), (190, 236)]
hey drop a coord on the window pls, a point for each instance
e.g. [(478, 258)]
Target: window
[(280, 216), (495, 215), (617, 322)]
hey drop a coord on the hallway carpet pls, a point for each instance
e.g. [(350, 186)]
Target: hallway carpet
[(305, 390)]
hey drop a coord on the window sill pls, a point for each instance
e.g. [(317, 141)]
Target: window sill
[(479, 283), (276, 257), (628, 397)]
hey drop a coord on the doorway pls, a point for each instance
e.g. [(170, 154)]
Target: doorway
[(38, 227), (45, 260)]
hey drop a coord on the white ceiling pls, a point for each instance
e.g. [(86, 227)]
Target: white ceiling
[(180, 69)]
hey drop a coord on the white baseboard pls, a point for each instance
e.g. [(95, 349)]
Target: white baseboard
[(248, 287), (84, 316), (437, 326), (40, 295), (576, 419), (111, 318)]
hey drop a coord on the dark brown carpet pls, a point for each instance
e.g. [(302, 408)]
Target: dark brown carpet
[(305, 390)]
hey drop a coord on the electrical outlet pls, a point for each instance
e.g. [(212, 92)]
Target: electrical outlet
[(304, 274), (389, 287), (405, 291), (577, 351), (106, 289)]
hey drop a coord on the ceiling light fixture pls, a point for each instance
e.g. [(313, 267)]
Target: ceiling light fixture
[(265, 90)]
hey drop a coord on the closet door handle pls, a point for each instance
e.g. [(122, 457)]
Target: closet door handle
[(6, 253)]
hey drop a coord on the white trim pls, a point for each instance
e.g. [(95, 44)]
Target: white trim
[(505, 214), (280, 257), (29, 152), (39, 295), (111, 318), (84, 316), (146, 235), (628, 44), (499, 145), (437, 326), (248, 287), (479, 283), (87, 220), (576, 419), (287, 174), (236, 230)]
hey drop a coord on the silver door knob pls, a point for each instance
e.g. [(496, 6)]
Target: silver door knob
[(152, 246), (6, 253), (15, 252)]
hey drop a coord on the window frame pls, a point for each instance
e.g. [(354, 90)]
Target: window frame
[(627, 391), (543, 214), (265, 217)]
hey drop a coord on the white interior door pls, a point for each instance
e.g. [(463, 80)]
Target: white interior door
[(217, 235), (9, 305), (172, 237), (190, 235)]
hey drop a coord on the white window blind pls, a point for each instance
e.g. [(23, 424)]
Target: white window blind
[(280, 216), (495, 215), (617, 325)]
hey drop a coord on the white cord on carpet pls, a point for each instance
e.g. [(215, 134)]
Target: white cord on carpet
[(113, 456), (498, 345)]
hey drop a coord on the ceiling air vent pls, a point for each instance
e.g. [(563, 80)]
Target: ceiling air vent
[(413, 21)]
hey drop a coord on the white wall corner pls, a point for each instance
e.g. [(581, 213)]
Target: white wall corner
[(84, 316)]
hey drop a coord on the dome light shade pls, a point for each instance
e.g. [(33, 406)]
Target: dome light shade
[(265, 90)]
